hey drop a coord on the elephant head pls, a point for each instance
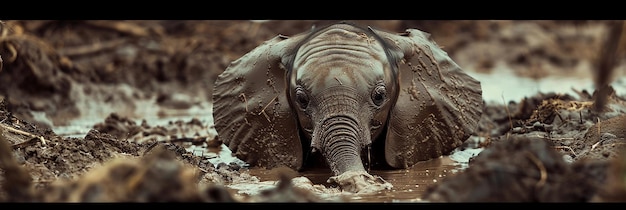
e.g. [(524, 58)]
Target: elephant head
[(341, 89)]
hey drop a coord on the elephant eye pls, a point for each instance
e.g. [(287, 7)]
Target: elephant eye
[(302, 97), (379, 94)]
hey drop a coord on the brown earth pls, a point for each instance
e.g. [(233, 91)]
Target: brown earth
[(545, 148)]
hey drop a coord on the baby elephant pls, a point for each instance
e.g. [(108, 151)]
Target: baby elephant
[(349, 94)]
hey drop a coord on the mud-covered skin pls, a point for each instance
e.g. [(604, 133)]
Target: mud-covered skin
[(339, 89)]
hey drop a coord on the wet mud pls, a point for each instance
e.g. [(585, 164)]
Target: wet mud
[(138, 90)]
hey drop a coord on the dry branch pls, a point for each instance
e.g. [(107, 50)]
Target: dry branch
[(10, 129), (606, 64), (91, 48), (17, 181), (120, 26), (542, 170)]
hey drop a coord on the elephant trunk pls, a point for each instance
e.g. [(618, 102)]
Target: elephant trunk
[(340, 139)]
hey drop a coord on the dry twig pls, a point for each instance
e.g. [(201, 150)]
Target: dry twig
[(91, 48), (120, 26), (542, 169), (599, 136), (506, 107), (263, 110), (17, 181), (571, 151), (38, 138)]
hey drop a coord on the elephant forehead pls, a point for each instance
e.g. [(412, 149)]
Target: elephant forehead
[(338, 74), (342, 44), (340, 57)]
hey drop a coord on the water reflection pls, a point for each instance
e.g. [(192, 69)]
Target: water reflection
[(410, 184)]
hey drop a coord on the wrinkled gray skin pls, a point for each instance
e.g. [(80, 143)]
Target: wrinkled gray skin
[(334, 91), (340, 83)]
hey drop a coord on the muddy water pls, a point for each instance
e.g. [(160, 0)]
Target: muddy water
[(408, 184)]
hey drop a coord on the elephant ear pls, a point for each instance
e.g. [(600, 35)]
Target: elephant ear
[(438, 106), (250, 108)]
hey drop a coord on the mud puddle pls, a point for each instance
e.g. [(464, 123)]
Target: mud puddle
[(408, 185)]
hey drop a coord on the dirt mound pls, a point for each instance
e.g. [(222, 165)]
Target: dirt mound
[(521, 169)]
